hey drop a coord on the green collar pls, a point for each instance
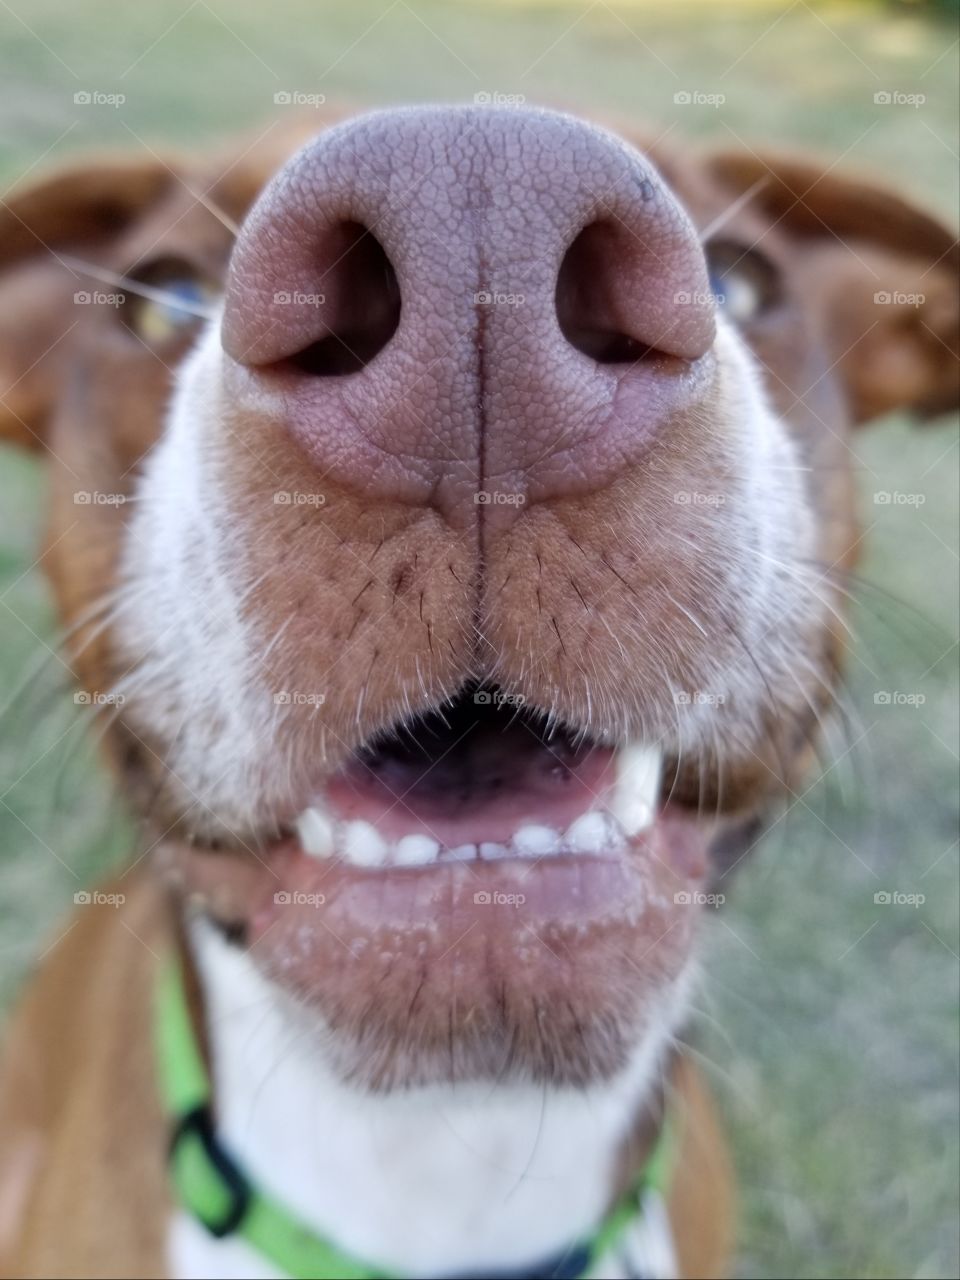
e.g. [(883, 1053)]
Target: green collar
[(212, 1187)]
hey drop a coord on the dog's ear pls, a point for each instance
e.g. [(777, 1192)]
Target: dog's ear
[(78, 209), (879, 274)]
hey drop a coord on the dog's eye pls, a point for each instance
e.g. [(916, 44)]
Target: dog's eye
[(745, 282), (173, 300)]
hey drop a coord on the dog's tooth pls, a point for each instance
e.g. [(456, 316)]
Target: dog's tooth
[(492, 851), (634, 802), (535, 841), (316, 833), (589, 834), (415, 850), (462, 853), (363, 844)]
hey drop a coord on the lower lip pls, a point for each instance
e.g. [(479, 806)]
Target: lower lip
[(333, 931), (565, 889)]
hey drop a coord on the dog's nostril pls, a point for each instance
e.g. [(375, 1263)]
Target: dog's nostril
[(608, 347), (592, 298), (359, 298)]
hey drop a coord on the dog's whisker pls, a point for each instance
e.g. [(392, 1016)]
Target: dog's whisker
[(149, 291), (221, 215), (732, 209)]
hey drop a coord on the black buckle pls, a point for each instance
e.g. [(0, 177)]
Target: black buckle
[(569, 1264), (199, 1124)]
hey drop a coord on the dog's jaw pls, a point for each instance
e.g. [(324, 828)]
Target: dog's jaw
[(435, 1181), (201, 695)]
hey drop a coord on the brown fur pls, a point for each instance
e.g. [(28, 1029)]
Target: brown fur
[(78, 1107)]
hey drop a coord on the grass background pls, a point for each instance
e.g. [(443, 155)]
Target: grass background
[(828, 1022)]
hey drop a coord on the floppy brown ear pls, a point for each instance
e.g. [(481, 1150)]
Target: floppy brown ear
[(80, 209), (879, 274)]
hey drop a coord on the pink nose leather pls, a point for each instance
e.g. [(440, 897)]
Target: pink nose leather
[(469, 307)]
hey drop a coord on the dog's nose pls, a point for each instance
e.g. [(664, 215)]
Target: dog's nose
[(473, 307)]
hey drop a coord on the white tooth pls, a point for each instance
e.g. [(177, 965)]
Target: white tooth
[(316, 833), (363, 845), (463, 853), (492, 851), (634, 803), (533, 841), (415, 850), (589, 834)]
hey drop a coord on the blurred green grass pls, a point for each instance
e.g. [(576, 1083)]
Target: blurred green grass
[(828, 1023)]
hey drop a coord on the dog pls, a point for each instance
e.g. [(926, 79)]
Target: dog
[(449, 513)]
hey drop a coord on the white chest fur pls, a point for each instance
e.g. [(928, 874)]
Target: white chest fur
[(425, 1183)]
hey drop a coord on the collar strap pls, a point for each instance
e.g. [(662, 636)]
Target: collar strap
[(211, 1185)]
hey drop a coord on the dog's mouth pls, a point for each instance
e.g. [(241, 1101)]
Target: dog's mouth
[(484, 778), (476, 891)]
